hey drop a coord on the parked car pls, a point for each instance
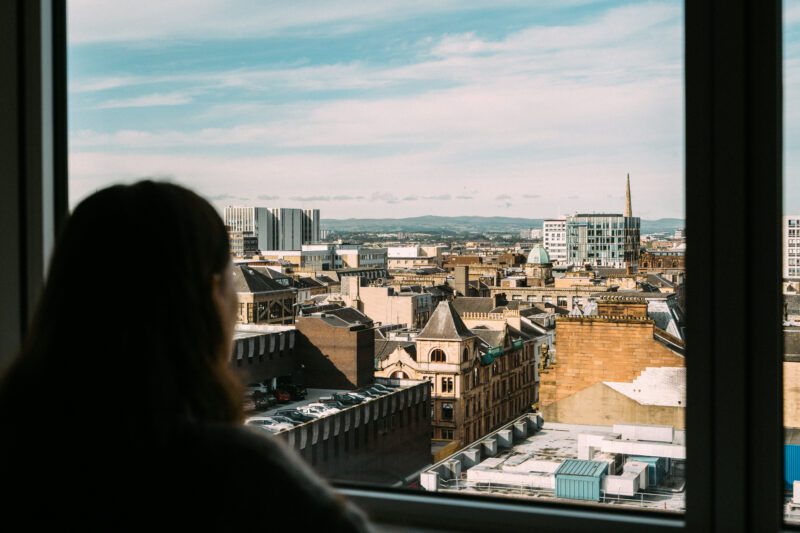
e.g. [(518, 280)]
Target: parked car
[(313, 413), (253, 388), (320, 408), (333, 403), (348, 398), (267, 421), (282, 396), (285, 419), (360, 396), (294, 414), (264, 400), (297, 392), (377, 393), (384, 388)]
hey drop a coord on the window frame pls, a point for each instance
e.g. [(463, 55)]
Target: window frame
[(733, 134)]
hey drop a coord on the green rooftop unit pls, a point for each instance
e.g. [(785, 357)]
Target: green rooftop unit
[(580, 480), (657, 468)]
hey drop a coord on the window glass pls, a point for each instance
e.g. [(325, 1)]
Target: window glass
[(403, 180)]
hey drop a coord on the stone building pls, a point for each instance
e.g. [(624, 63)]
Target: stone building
[(619, 344), (481, 378), (337, 348), (538, 268), (661, 260), (261, 299), (243, 243), (388, 305)]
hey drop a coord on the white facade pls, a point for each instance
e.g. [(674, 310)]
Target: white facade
[(531, 233), (554, 233), (277, 228), (791, 247), (257, 220)]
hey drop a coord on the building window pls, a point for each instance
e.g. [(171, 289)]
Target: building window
[(447, 385), (438, 356), (447, 411)]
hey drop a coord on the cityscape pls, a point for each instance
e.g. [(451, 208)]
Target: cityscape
[(457, 230), (546, 363)]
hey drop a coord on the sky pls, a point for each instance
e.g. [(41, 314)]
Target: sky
[(387, 108)]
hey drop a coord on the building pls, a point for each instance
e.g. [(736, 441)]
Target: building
[(384, 440), (330, 257), (387, 305), (243, 243), (617, 364), (622, 464), (668, 261), (481, 377), (262, 300), (399, 257), (310, 227), (265, 354), (337, 348), (566, 298), (554, 239), (531, 233), (277, 228), (605, 239), (791, 247), (538, 268)]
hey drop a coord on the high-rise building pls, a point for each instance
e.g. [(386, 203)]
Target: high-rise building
[(604, 239), (791, 247), (311, 233), (277, 228), (555, 239)]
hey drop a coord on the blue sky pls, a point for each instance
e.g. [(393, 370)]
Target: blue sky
[(384, 109)]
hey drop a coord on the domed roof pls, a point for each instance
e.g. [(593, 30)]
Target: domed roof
[(538, 256)]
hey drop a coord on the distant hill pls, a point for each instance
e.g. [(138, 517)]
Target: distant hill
[(431, 223)]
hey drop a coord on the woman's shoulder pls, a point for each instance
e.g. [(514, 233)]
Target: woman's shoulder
[(257, 465)]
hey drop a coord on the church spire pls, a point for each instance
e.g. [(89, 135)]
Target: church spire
[(628, 210)]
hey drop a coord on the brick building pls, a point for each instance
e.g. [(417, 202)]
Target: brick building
[(617, 345), (337, 348)]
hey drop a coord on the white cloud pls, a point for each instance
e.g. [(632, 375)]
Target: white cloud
[(143, 20), (561, 110), (148, 100)]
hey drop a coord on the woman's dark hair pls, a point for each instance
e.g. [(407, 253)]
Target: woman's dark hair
[(127, 337)]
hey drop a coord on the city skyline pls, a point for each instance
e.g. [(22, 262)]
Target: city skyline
[(475, 108)]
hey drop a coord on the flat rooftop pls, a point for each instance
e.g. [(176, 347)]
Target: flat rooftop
[(244, 331), (556, 442)]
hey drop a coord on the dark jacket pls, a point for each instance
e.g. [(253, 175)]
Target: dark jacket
[(208, 478)]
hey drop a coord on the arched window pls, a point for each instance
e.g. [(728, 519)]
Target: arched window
[(660, 263), (399, 375), (465, 356), (438, 356)]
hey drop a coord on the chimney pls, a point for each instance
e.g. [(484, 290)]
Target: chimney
[(462, 279)]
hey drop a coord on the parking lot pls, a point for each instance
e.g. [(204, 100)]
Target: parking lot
[(312, 396)]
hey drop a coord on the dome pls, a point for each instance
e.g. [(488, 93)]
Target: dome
[(538, 256)]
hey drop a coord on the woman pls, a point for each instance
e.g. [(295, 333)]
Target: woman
[(120, 411)]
